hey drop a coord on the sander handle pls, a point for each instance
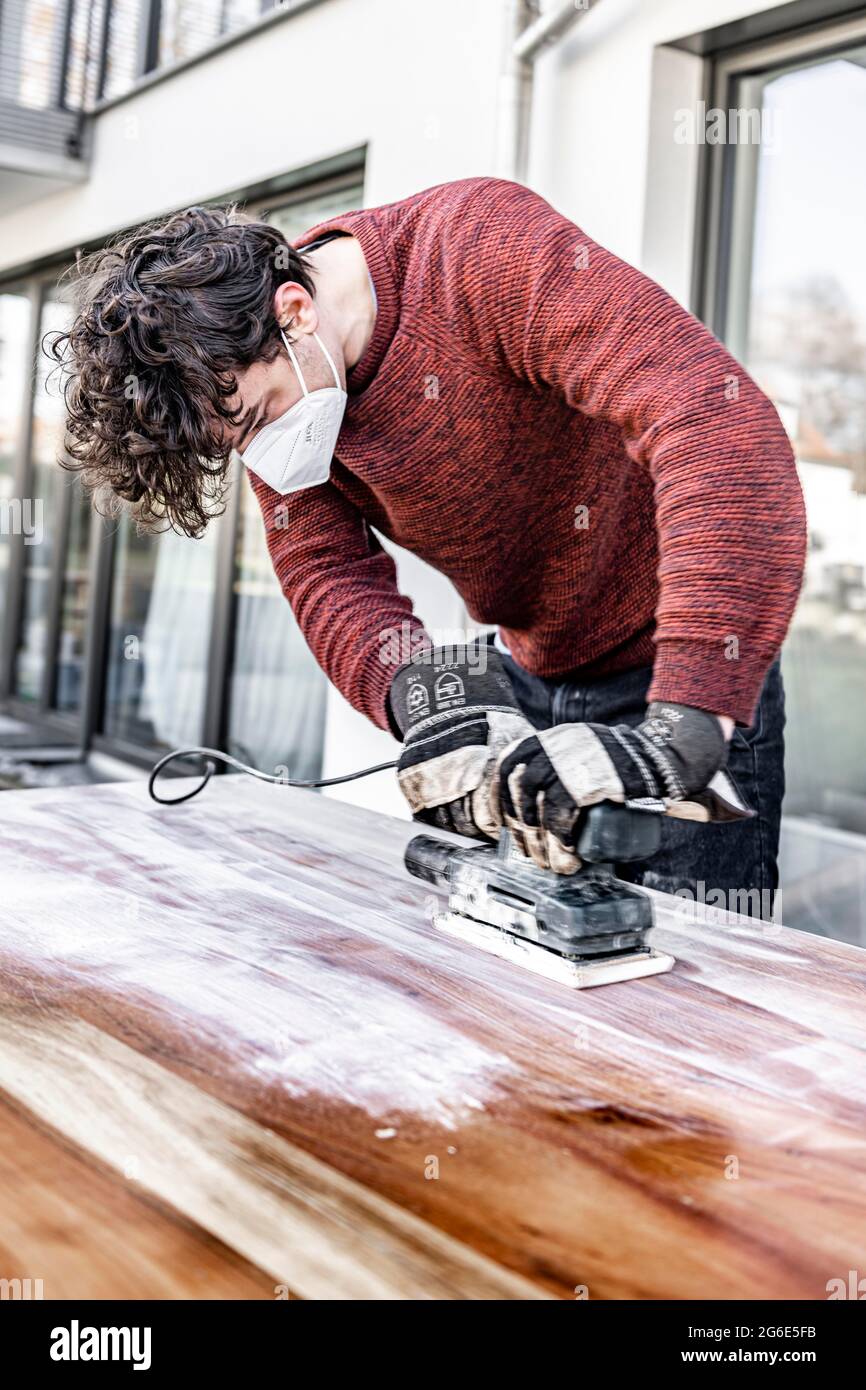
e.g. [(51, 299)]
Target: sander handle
[(615, 834), (609, 834)]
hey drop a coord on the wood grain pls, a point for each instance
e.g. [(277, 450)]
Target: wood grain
[(56, 1206), (425, 1120), (286, 1212)]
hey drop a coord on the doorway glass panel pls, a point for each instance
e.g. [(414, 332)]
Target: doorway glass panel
[(278, 693), (796, 316), (43, 505), (71, 638), (159, 632), (14, 359)]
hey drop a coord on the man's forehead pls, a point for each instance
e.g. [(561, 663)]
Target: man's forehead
[(257, 385), (243, 406), (245, 403)]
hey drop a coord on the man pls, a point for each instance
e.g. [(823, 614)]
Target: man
[(468, 373)]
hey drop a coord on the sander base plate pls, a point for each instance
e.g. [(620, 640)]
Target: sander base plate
[(576, 974)]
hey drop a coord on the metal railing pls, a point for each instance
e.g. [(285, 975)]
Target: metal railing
[(43, 59), (59, 58)]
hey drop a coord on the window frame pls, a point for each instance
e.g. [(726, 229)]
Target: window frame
[(726, 207), (148, 68), (21, 474), (715, 226), (38, 712)]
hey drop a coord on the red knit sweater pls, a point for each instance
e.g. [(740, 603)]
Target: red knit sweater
[(547, 427)]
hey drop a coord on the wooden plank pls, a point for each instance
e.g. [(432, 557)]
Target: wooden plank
[(86, 1232), (307, 1225), (699, 1134)]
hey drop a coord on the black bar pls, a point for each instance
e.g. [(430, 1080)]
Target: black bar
[(55, 593), (258, 1337), (63, 69), (726, 154), (104, 42), (222, 627), (100, 564), (151, 23)]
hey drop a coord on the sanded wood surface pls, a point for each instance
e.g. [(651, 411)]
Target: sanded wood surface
[(233, 1044), (92, 1236)]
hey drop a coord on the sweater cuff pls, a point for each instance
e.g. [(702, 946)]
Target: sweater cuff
[(375, 703), (707, 676), (380, 664)]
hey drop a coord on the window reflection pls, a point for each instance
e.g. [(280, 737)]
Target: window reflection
[(47, 481), (123, 51), (14, 357), (34, 35), (188, 26), (277, 693), (159, 629), (69, 674), (797, 317)]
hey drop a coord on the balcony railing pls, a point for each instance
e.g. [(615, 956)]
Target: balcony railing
[(43, 59), (60, 58)]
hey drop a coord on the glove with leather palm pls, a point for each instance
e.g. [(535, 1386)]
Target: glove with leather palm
[(671, 762), (457, 712)]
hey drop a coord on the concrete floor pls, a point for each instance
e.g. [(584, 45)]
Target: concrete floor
[(27, 761)]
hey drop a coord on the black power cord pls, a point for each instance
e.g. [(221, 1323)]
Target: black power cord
[(212, 756)]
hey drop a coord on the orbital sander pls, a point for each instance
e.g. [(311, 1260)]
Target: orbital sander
[(583, 929)]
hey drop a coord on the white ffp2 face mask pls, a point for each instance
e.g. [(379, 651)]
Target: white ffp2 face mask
[(295, 450)]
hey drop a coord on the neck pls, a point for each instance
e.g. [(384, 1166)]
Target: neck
[(344, 296)]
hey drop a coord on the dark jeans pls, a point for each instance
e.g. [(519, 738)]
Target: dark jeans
[(731, 866)]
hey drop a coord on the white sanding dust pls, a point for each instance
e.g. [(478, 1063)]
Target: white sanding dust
[(289, 997)]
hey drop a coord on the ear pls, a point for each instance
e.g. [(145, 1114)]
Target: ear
[(295, 309)]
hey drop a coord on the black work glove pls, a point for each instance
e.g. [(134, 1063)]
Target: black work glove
[(456, 711), (671, 762)]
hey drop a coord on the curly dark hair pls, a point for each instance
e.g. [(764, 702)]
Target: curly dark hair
[(166, 316)]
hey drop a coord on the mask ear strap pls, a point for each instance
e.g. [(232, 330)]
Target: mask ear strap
[(295, 363), (330, 362)]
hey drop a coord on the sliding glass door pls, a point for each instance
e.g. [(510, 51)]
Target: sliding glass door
[(15, 334), (789, 290), (47, 485), (71, 642), (159, 629)]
